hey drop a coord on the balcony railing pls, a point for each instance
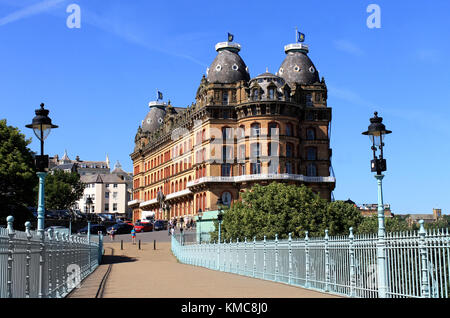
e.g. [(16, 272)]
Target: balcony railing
[(263, 176)]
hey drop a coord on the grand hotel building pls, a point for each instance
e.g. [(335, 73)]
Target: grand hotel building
[(239, 131)]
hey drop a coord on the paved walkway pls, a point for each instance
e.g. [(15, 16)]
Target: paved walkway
[(149, 273)]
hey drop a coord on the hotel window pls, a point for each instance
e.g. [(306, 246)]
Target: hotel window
[(107, 185), (309, 100), (115, 185), (310, 134), (288, 129), (106, 195), (256, 167), (114, 195), (287, 93), (272, 149), (271, 93), (226, 170), (255, 94), (242, 169), (241, 152), (273, 167), (241, 131), (106, 207), (227, 154), (114, 206), (225, 98), (255, 130), (273, 129), (311, 153), (288, 168), (289, 151), (254, 150), (227, 134), (311, 170)]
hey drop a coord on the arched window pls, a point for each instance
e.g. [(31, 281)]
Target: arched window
[(255, 130), (310, 134)]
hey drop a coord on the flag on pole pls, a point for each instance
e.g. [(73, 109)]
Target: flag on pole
[(300, 37), (230, 37), (160, 96)]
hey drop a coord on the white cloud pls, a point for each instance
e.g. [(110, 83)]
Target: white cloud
[(30, 11), (348, 47)]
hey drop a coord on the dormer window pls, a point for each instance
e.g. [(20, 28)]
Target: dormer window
[(309, 100), (255, 94), (271, 93), (225, 98)]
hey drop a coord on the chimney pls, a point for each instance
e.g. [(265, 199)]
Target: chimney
[(77, 158)]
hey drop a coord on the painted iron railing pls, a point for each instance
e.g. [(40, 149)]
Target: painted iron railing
[(48, 267), (417, 263)]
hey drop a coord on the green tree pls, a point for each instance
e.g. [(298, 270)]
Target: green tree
[(280, 209), (17, 175), (62, 190), (394, 224)]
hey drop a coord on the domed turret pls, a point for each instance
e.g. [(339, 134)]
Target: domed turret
[(297, 67), (228, 67), (266, 82), (155, 117)]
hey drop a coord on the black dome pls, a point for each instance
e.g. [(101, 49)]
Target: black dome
[(154, 118), (297, 67), (228, 67)]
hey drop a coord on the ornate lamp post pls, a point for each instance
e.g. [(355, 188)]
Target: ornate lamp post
[(376, 133), (41, 125), (199, 215), (220, 214)]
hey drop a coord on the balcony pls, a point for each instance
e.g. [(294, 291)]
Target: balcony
[(148, 203), (259, 177), (135, 202), (178, 194)]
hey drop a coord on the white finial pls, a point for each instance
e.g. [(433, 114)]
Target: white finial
[(267, 70)]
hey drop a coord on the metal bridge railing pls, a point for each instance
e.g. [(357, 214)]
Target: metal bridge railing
[(417, 263), (32, 266)]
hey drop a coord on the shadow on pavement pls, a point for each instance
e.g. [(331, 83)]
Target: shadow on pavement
[(115, 259)]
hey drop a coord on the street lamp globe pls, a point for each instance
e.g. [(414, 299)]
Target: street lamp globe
[(41, 124), (376, 132)]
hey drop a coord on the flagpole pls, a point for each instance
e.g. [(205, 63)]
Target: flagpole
[(296, 34)]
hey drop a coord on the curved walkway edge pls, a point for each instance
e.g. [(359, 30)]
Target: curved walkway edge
[(149, 273)]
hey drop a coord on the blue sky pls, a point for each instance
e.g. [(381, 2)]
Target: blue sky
[(97, 80)]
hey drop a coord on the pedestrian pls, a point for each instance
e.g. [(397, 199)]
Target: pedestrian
[(112, 233), (133, 236), (172, 230), (169, 227)]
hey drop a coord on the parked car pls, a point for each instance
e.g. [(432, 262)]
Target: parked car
[(95, 229), (121, 228), (160, 225), (143, 227)]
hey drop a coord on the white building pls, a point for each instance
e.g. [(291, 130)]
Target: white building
[(109, 194)]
